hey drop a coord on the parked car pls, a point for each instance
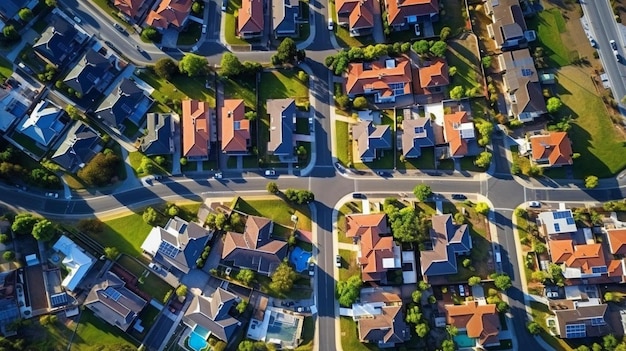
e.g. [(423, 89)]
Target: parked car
[(331, 24), (534, 204), (304, 309), (77, 19), (383, 174), (461, 290), (119, 28), (593, 43), (614, 47), (358, 196), (459, 197), (338, 261), (25, 68), (54, 195), (311, 269), (287, 303), (204, 29), (418, 30), (218, 175), (270, 172), (224, 4)]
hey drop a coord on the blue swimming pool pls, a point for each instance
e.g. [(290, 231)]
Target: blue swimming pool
[(197, 338), (463, 340), (300, 259)]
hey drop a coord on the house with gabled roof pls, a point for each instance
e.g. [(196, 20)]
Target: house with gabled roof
[(211, 315), (585, 261), (91, 72), (584, 321), (356, 15), (196, 130), (380, 319), (284, 18), (404, 14), (132, 9), (170, 14), (80, 145), (433, 76), (556, 222), (617, 241), (524, 96), (251, 19), (255, 248), (447, 241), (459, 134), (159, 138), (127, 101), (370, 140), (235, 128), (386, 79), (112, 302), (59, 43), (76, 261), (177, 246), (508, 25), (416, 134), (282, 115), (552, 149), (378, 252), (44, 124), (481, 322)]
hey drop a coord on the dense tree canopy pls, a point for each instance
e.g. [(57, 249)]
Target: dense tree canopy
[(283, 278), (193, 65)]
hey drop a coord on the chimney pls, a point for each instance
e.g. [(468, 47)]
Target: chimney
[(230, 114)]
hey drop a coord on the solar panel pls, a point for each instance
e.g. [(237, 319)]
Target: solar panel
[(168, 249), (599, 270), (597, 321), (561, 214), (58, 300), (557, 227), (527, 72), (419, 130), (570, 221), (575, 331), (112, 293)]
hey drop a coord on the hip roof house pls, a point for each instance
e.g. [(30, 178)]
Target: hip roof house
[(76, 260)]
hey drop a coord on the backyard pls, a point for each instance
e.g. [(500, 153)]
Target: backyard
[(342, 34), (349, 265), (350, 337), (150, 284), (277, 210), (342, 143), (550, 25), (241, 89), (386, 158), (463, 54), (178, 88), (539, 312), (230, 23)]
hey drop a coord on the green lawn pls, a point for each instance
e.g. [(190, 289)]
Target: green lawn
[(135, 162), (549, 24), (191, 34), (593, 135), (349, 266), (277, 210), (539, 313), (230, 22), (179, 88), (27, 143), (426, 161), (152, 284), (468, 74), (126, 233), (94, 331), (350, 336), (452, 17), (343, 35), (241, 89), (308, 333), (347, 208), (342, 146), (6, 67)]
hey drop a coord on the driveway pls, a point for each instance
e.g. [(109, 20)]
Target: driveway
[(170, 38), (160, 330)]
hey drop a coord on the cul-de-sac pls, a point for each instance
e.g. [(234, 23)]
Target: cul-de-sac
[(312, 175)]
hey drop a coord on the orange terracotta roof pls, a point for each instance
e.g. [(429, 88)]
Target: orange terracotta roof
[(584, 257), (480, 321), (169, 12), (434, 75), (555, 147), (359, 223), (195, 128), (360, 13), (561, 250), (457, 144), (379, 77), (374, 247), (398, 10), (617, 241), (251, 16), (128, 7), (235, 127)]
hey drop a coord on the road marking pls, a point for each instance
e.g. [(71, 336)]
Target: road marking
[(503, 209)]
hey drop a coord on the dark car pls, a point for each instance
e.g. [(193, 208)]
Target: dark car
[(459, 197), (358, 196), (384, 174), (311, 269), (119, 28)]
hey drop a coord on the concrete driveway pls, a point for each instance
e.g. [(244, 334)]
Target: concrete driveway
[(170, 38)]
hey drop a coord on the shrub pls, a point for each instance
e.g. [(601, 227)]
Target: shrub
[(8, 255)]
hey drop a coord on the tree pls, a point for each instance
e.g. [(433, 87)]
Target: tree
[(303, 77), (8, 255), (487, 61), (539, 247), (423, 286), (444, 33), (4, 238), (245, 276), (25, 14), (150, 216), (360, 103), (538, 276), (457, 92), (44, 230), (416, 296), (582, 348), (533, 327), (272, 188), (286, 51), (150, 33), (197, 7), (422, 329), (448, 345), (173, 210), (183, 161), (502, 306), (348, 290), (241, 306), (146, 165), (554, 104), (502, 281), (23, 224), (482, 208), (459, 218), (452, 71), (343, 101), (422, 192), (230, 66), (10, 33), (474, 281), (591, 182), (220, 221), (483, 160), (439, 48), (609, 342), (250, 115), (111, 253), (72, 112), (165, 68), (100, 170), (485, 129), (193, 65), (181, 291), (283, 278), (51, 3), (421, 47), (615, 297), (301, 152), (467, 262)]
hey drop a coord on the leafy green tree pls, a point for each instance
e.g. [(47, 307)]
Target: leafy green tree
[(193, 65), (413, 315), (51, 3), (183, 161), (502, 306), (25, 14), (485, 129), (72, 112), (4, 238), (487, 61), (422, 329), (111, 252), (241, 306), (220, 221), (100, 170), (10, 33), (610, 342), (422, 192), (173, 210), (165, 68), (474, 281), (452, 71), (416, 296), (150, 216), (348, 290), (272, 188), (44, 230), (197, 7), (146, 165), (286, 51), (456, 93), (8, 256), (459, 219), (230, 66), (452, 330), (343, 101), (539, 276), (439, 48), (245, 276), (502, 281), (151, 34), (444, 33), (250, 115), (482, 208), (591, 182), (423, 286), (283, 278), (533, 327), (181, 291), (448, 345), (554, 104), (582, 348), (421, 47), (360, 103), (483, 160), (23, 224)]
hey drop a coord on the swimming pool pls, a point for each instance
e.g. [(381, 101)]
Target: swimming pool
[(197, 338), (300, 259), (463, 340)]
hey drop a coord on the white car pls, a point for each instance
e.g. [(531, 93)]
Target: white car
[(418, 30), (331, 24), (534, 204), (54, 195), (338, 261), (77, 19), (218, 175), (270, 172), (614, 47), (204, 29)]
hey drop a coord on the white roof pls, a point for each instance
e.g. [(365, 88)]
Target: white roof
[(152, 242), (558, 222), (76, 261)]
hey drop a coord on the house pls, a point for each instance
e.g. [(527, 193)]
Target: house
[(211, 315), (404, 14), (617, 241), (126, 102), (380, 319), (480, 321), (159, 139), (377, 253), (459, 134), (251, 19), (557, 222), (91, 72), (9, 9), (433, 76), (9, 309), (196, 132), (357, 15), (584, 261), (235, 128), (370, 139), (76, 261), (524, 96), (385, 79), (44, 124), (282, 113), (582, 322), (177, 246), (508, 27), (132, 9), (112, 302), (284, 18), (416, 134), (553, 149), (447, 241), (170, 14), (59, 43), (14, 102), (80, 145), (255, 248)]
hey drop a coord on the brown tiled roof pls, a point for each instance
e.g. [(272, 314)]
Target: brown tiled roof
[(447, 240), (251, 16), (617, 241), (213, 313), (561, 250), (434, 75), (378, 77), (169, 12), (387, 327), (360, 13), (398, 10), (457, 145), (554, 146), (235, 127), (195, 128), (583, 315), (374, 247), (583, 257), (359, 224), (129, 7), (480, 321)]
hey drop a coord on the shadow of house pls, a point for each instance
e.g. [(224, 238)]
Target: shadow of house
[(211, 315), (80, 145), (127, 102), (284, 18), (60, 43)]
